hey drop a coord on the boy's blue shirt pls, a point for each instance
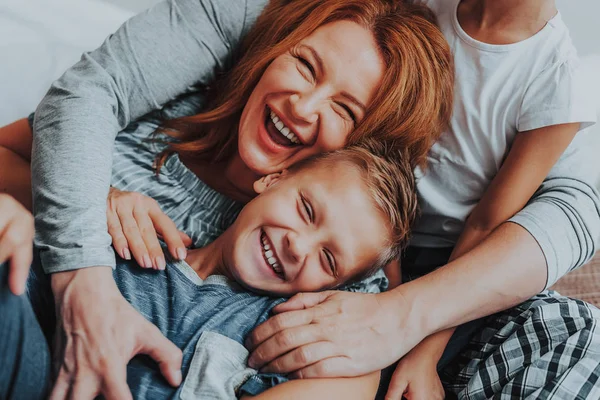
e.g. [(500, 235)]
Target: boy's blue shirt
[(207, 319)]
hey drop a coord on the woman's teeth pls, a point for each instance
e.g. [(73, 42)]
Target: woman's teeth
[(284, 130), (269, 256)]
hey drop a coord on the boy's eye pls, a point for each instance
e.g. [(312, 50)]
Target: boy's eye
[(307, 209), (330, 261)]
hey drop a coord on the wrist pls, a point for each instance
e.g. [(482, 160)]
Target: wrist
[(407, 313), (61, 281)]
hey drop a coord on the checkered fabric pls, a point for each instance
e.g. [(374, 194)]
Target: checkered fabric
[(546, 348)]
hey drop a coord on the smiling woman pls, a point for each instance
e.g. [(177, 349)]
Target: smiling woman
[(309, 77)]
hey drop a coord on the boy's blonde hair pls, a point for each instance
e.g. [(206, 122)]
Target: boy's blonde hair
[(389, 177)]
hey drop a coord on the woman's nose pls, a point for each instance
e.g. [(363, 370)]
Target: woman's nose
[(304, 106)]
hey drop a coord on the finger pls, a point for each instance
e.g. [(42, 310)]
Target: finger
[(134, 239), (170, 234), (61, 388), (277, 324), (335, 367), (397, 387), (85, 388), (19, 268), (163, 351), (115, 385), (150, 238), (282, 342), (187, 241), (301, 357), (302, 301), (115, 230)]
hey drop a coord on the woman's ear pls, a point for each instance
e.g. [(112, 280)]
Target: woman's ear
[(267, 181)]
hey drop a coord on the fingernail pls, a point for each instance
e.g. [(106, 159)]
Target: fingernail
[(251, 363), (147, 261), (126, 254), (181, 253), (160, 262)]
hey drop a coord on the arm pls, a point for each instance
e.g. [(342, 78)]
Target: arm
[(362, 387), (557, 231), (151, 59), (15, 154), (529, 161)]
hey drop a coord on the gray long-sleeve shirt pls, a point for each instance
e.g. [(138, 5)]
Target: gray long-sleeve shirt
[(166, 51)]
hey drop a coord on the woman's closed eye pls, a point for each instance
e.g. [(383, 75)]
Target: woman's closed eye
[(305, 68), (346, 111)]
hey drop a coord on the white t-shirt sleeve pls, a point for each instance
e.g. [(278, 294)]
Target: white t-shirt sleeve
[(557, 96)]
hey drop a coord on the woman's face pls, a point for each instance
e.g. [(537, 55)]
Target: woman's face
[(310, 98)]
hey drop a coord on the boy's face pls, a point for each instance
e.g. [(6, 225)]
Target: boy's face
[(308, 230)]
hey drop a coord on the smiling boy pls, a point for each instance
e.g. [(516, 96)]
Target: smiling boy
[(328, 222)]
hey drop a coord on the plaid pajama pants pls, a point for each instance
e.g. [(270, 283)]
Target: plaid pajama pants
[(545, 348)]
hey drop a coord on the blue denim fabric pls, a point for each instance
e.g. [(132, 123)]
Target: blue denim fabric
[(24, 353), (186, 309)]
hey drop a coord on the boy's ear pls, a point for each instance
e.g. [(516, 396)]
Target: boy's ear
[(267, 181)]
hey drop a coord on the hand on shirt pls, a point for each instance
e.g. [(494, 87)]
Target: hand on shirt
[(16, 241), (334, 334), (134, 223), (98, 333)]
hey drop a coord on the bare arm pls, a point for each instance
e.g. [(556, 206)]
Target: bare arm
[(362, 387), (15, 154), (529, 161)]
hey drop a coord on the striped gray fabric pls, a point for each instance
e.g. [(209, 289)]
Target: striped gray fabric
[(195, 208)]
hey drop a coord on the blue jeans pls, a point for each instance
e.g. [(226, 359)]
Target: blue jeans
[(24, 352)]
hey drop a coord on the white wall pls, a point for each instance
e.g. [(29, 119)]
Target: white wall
[(581, 16)]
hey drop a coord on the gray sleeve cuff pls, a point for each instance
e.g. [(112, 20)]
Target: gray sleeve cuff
[(60, 260), (565, 238)]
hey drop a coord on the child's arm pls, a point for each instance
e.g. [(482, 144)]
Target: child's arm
[(361, 387), (15, 155), (529, 161)]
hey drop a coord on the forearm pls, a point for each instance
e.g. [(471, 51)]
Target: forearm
[(507, 268), (150, 60), (362, 387)]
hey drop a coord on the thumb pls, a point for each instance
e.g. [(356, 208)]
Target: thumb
[(302, 301), (163, 351), (187, 241)]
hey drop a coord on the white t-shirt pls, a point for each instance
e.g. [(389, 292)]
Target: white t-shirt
[(500, 90)]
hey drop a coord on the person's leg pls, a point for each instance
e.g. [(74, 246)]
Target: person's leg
[(547, 347), (24, 353)]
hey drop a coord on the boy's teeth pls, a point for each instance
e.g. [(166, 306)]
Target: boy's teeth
[(268, 253)]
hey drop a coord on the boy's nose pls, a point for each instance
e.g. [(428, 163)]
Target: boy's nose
[(298, 248)]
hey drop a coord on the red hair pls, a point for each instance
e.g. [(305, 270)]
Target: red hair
[(413, 104)]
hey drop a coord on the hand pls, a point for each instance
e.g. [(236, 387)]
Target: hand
[(134, 223), (416, 377), (98, 333), (16, 241), (334, 334)]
